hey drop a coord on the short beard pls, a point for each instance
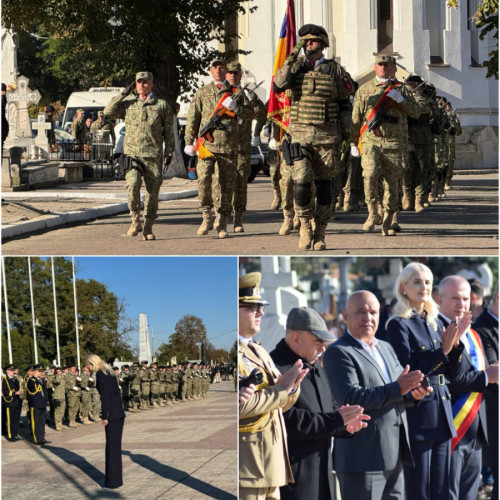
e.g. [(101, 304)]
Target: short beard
[(311, 52)]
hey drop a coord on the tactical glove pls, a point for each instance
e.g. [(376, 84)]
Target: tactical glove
[(295, 52), (167, 160)]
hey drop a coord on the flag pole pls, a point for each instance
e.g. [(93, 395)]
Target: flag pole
[(33, 320), (9, 344), (76, 317), (55, 312)]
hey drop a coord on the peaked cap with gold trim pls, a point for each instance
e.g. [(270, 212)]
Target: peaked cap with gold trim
[(249, 292)]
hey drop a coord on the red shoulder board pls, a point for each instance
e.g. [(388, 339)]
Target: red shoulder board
[(347, 83)]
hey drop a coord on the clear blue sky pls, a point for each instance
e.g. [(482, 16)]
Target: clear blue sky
[(167, 288)]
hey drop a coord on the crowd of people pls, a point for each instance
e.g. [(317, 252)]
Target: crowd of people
[(414, 416), (72, 396)]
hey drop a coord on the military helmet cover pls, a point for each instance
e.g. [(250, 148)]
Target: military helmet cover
[(384, 58), (314, 32)]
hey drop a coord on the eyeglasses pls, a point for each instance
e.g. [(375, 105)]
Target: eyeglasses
[(255, 308)]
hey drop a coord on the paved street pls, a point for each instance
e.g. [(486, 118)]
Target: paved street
[(186, 452), (465, 222)]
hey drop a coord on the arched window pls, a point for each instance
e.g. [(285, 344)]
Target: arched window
[(385, 26)]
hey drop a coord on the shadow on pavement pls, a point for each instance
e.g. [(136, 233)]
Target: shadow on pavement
[(178, 476)]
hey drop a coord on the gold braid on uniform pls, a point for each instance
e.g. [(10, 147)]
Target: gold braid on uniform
[(10, 391), (37, 389)]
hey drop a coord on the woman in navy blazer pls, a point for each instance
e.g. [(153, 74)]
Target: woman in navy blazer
[(420, 341), (112, 416)]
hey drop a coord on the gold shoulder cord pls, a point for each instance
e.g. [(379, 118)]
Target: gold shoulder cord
[(10, 391), (38, 388)]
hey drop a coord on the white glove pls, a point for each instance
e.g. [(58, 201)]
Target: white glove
[(87, 389), (395, 95), (272, 144), (190, 150), (79, 379), (91, 379), (354, 151), (256, 141), (229, 103), (249, 95), (75, 388)]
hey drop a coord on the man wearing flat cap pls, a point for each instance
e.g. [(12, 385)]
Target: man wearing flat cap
[(312, 421), (320, 121), (217, 165), (37, 404), (384, 146), (78, 127), (263, 456), (149, 137), (11, 403)]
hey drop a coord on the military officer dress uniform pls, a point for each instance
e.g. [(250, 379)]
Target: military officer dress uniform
[(319, 121), (11, 403), (264, 465), (383, 147), (36, 389), (148, 122)]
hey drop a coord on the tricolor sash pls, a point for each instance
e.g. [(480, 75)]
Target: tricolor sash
[(467, 405)]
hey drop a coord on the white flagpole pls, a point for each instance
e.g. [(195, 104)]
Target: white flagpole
[(76, 317), (33, 320), (55, 312), (6, 312)]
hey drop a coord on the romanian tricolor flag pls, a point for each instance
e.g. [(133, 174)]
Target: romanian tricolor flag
[(278, 109), (466, 407)]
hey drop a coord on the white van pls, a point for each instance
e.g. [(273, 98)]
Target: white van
[(92, 101)]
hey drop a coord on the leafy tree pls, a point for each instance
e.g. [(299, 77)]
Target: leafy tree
[(189, 331), (105, 42)]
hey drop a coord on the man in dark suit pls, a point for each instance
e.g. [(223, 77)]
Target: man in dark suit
[(312, 421), (467, 390), (364, 370), (487, 327)]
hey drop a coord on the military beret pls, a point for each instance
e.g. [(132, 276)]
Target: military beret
[(125, 366), (414, 78), (9, 367), (234, 66), (144, 362), (144, 75), (52, 367), (37, 367), (384, 58), (314, 32), (58, 368), (249, 289), (116, 368), (71, 365), (65, 367)]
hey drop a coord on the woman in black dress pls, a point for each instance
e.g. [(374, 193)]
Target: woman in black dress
[(113, 418)]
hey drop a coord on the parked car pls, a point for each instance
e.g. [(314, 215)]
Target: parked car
[(258, 161)]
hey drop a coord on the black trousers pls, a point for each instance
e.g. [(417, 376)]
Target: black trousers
[(10, 420), (114, 431), (37, 423)]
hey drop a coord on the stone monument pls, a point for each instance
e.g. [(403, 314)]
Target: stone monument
[(41, 140), (144, 344)]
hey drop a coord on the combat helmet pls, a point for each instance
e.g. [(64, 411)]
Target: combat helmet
[(314, 32)]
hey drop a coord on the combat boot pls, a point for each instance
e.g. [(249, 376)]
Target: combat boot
[(155, 404), (319, 237), (394, 223), (287, 226), (59, 427), (222, 226), (136, 227), (296, 222), (419, 206), (86, 421), (386, 225), (147, 233), (207, 223), (379, 213), (305, 233), (408, 202), (276, 203), (72, 423), (238, 221), (369, 224)]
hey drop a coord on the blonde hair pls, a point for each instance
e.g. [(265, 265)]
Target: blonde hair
[(403, 307), (98, 364)]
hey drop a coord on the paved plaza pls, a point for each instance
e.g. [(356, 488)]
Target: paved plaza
[(187, 451)]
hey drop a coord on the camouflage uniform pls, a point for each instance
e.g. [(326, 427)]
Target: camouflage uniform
[(145, 387), (85, 398), (148, 124), (454, 130), (155, 387), (59, 399), (418, 175), (162, 377), (135, 387), (183, 383), (79, 130), (73, 398), (383, 156), (189, 382), (125, 386), (50, 389), (218, 171), (319, 121), (104, 126), (95, 399), (440, 136)]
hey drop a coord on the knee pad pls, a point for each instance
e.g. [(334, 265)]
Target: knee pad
[(323, 192), (302, 194)]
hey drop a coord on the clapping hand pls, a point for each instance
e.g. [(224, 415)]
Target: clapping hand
[(409, 380), (354, 418), (292, 378)]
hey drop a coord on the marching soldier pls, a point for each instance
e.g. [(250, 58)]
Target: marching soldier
[(149, 124), (319, 123), (216, 166), (11, 403), (37, 404), (59, 398), (382, 104), (454, 131), (440, 151)]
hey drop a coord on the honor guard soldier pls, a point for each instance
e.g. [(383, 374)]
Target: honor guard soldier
[(37, 404), (454, 130), (263, 456), (59, 398), (11, 403), (216, 158), (320, 120), (145, 385), (381, 107), (148, 122)]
